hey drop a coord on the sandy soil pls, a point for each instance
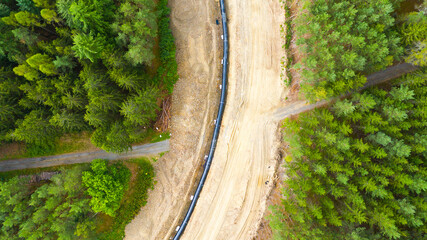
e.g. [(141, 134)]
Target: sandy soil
[(233, 199), (194, 105)]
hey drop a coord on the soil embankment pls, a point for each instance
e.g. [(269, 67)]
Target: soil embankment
[(194, 105)]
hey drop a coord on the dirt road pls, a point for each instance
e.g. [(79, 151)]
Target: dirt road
[(296, 107), (233, 198), (72, 158)]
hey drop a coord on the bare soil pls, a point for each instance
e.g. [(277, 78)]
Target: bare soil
[(194, 105), (233, 199)]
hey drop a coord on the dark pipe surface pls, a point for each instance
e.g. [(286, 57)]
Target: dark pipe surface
[(217, 126)]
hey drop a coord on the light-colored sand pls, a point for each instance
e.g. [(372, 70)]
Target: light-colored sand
[(232, 202)]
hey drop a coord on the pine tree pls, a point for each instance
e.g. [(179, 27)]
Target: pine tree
[(50, 15), (35, 129), (141, 109), (88, 46), (26, 71), (43, 63)]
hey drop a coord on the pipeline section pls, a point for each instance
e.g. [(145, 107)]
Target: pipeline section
[(208, 163)]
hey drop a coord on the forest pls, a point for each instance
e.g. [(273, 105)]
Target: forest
[(93, 201), (340, 42), (87, 65), (356, 168)]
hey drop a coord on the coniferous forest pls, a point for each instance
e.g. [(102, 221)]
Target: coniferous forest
[(87, 65), (93, 201), (342, 41), (356, 169)]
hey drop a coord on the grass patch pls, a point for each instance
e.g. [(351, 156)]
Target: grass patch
[(160, 137)]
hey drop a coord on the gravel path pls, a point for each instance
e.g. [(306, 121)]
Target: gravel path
[(71, 158)]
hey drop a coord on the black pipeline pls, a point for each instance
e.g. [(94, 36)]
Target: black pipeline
[(217, 125)]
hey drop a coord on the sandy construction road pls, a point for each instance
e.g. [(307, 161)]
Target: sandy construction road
[(233, 198)]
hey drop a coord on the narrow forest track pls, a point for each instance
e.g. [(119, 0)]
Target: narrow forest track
[(72, 158), (296, 107)]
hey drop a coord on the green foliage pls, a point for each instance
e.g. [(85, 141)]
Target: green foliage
[(27, 5), (84, 65), (88, 46), (26, 71), (24, 35), (167, 72), (286, 31), (106, 185), (415, 28), (132, 203), (136, 28), (35, 129), (59, 208), (64, 63), (50, 15), (414, 34), (69, 121), (63, 7), (114, 138), (28, 19), (4, 10), (358, 167), (418, 54), (141, 109), (48, 4), (43, 63), (55, 210), (342, 40), (92, 15)]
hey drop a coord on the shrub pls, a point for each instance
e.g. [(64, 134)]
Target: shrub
[(106, 185)]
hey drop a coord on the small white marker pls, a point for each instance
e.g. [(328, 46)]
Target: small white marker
[(170, 134), (220, 86), (222, 36), (222, 61), (160, 135), (177, 228), (191, 198), (206, 157)]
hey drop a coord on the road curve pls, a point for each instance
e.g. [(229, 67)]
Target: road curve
[(72, 158)]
